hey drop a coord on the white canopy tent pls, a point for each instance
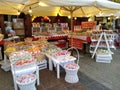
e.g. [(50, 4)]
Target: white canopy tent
[(53, 7), (63, 7)]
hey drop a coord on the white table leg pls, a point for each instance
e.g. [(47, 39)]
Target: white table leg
[(5, 59), (50, 64), (14, 79), (15, 84), (58, 71), (37, 74)]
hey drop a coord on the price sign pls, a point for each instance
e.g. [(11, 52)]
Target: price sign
[(90, 25)]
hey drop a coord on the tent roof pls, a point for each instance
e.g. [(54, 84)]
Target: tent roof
[(52, 7)]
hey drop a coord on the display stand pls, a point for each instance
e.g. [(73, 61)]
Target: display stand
[(55, 38), (28, 66), (36, 30), (102, 57)]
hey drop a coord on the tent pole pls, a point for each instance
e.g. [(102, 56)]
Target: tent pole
[(71, 9), (71, 14)]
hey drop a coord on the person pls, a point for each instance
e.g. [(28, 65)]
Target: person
[(9, 30), (98, 26), (104, 27), (8, 27), (2, 45), (117, 38)]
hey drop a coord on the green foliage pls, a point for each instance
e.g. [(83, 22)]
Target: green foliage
[(118, 1)]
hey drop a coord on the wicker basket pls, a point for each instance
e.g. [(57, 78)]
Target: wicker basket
[(27, 86), (71, 73)]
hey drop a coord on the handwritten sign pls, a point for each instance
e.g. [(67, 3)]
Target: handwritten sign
[(90, 24)]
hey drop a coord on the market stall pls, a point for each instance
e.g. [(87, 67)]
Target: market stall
[(51, 33), (39, 49), (82, 36), (23, 64)]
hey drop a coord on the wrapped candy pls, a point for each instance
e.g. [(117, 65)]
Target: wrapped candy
[(24, 62), (26, 78), (71, 66), (62, 54), (20, 55)]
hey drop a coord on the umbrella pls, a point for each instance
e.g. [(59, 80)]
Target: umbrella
[(53, 7), (64, 7), (85, 7)]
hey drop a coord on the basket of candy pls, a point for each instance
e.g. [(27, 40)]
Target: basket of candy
[(61, 55), (20, 55), (24, 63), (71, 73), (71, 70), (9, 50), (28, 40), (72, 66), (22, 59), (26, 82)]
